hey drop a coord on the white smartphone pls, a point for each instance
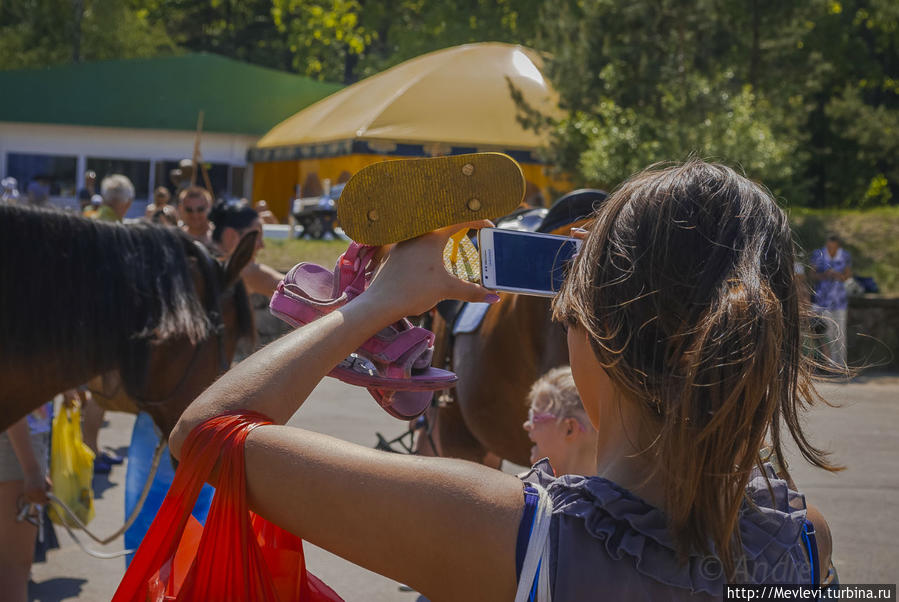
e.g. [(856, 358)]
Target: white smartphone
[(528, 263)]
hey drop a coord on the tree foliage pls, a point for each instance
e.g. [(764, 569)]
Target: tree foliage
[(343, 40), (39, 33), (802, 95)]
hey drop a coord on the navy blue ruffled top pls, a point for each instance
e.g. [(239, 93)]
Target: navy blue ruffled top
[(608, 544)]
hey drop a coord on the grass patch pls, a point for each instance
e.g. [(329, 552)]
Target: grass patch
[(284, 254), (871, 236)]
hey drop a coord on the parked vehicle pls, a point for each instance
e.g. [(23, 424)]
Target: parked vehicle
[(317, 215)]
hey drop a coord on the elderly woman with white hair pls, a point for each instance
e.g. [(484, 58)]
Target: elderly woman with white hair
[(558, 425), (118, 193)]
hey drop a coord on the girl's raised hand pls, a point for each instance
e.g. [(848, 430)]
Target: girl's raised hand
[(412, 278)]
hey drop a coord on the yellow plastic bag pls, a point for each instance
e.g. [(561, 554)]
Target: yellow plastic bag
[(71, 468)]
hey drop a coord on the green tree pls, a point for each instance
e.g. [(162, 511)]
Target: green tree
[(241, 29), (38, 33), (345, 40), (645, 82), (802, 95), (855, 120)]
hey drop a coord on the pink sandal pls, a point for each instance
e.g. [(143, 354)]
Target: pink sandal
[(395, 364)]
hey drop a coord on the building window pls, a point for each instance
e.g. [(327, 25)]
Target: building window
[(58, 170), (136, 171)]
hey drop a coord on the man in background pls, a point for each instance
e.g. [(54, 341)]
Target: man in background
[(118, 193), (831, 268)]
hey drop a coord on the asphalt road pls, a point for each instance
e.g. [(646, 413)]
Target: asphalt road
[(859, 502)]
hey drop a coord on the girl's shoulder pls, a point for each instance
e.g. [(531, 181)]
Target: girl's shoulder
[(604, 528)]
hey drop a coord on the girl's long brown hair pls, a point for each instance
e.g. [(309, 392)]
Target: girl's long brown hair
[(686, 288)]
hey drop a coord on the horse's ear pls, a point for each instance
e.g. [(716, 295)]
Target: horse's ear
[(240, 257)]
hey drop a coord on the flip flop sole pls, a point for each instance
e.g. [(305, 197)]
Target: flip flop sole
[(392, 201), (434, 380)]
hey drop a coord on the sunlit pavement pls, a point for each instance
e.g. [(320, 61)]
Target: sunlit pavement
[(860, 503)]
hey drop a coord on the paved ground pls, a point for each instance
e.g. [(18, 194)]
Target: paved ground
[(859, 502)]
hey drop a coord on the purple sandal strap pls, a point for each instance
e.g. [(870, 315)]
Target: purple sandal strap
[(352, 272), (392, 343)]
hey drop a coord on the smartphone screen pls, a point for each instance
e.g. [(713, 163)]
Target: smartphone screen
[(529, 262)]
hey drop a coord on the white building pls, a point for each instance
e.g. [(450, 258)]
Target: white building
[(139, 117)]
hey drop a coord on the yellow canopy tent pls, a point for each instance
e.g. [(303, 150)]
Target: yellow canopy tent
[(451, 101)]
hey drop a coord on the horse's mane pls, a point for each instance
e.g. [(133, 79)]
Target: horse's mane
[(94, 290)]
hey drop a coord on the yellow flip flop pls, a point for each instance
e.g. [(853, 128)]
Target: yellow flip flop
[(392, 201)]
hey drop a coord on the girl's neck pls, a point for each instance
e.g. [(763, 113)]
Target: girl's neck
[(200, 233), (620, 457)]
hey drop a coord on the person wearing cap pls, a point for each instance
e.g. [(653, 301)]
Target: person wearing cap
[(831, 268)]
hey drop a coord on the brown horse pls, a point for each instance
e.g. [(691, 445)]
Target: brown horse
[(82, 298), (517, 342)]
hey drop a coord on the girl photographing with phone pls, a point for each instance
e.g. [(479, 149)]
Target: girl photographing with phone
[(684, 335)]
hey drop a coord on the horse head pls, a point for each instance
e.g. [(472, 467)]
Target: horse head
[(170, 372)]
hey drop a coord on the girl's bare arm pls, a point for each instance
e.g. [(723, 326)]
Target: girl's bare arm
[(446, 527)]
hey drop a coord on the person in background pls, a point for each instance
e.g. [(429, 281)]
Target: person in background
[(161, 198), (831, 267), (24, 461), (87, 193), (194, 204), (559, 426), (167, 216), (39, 191), (9, 190), (118, 193), (265, 214), (232, 220)]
